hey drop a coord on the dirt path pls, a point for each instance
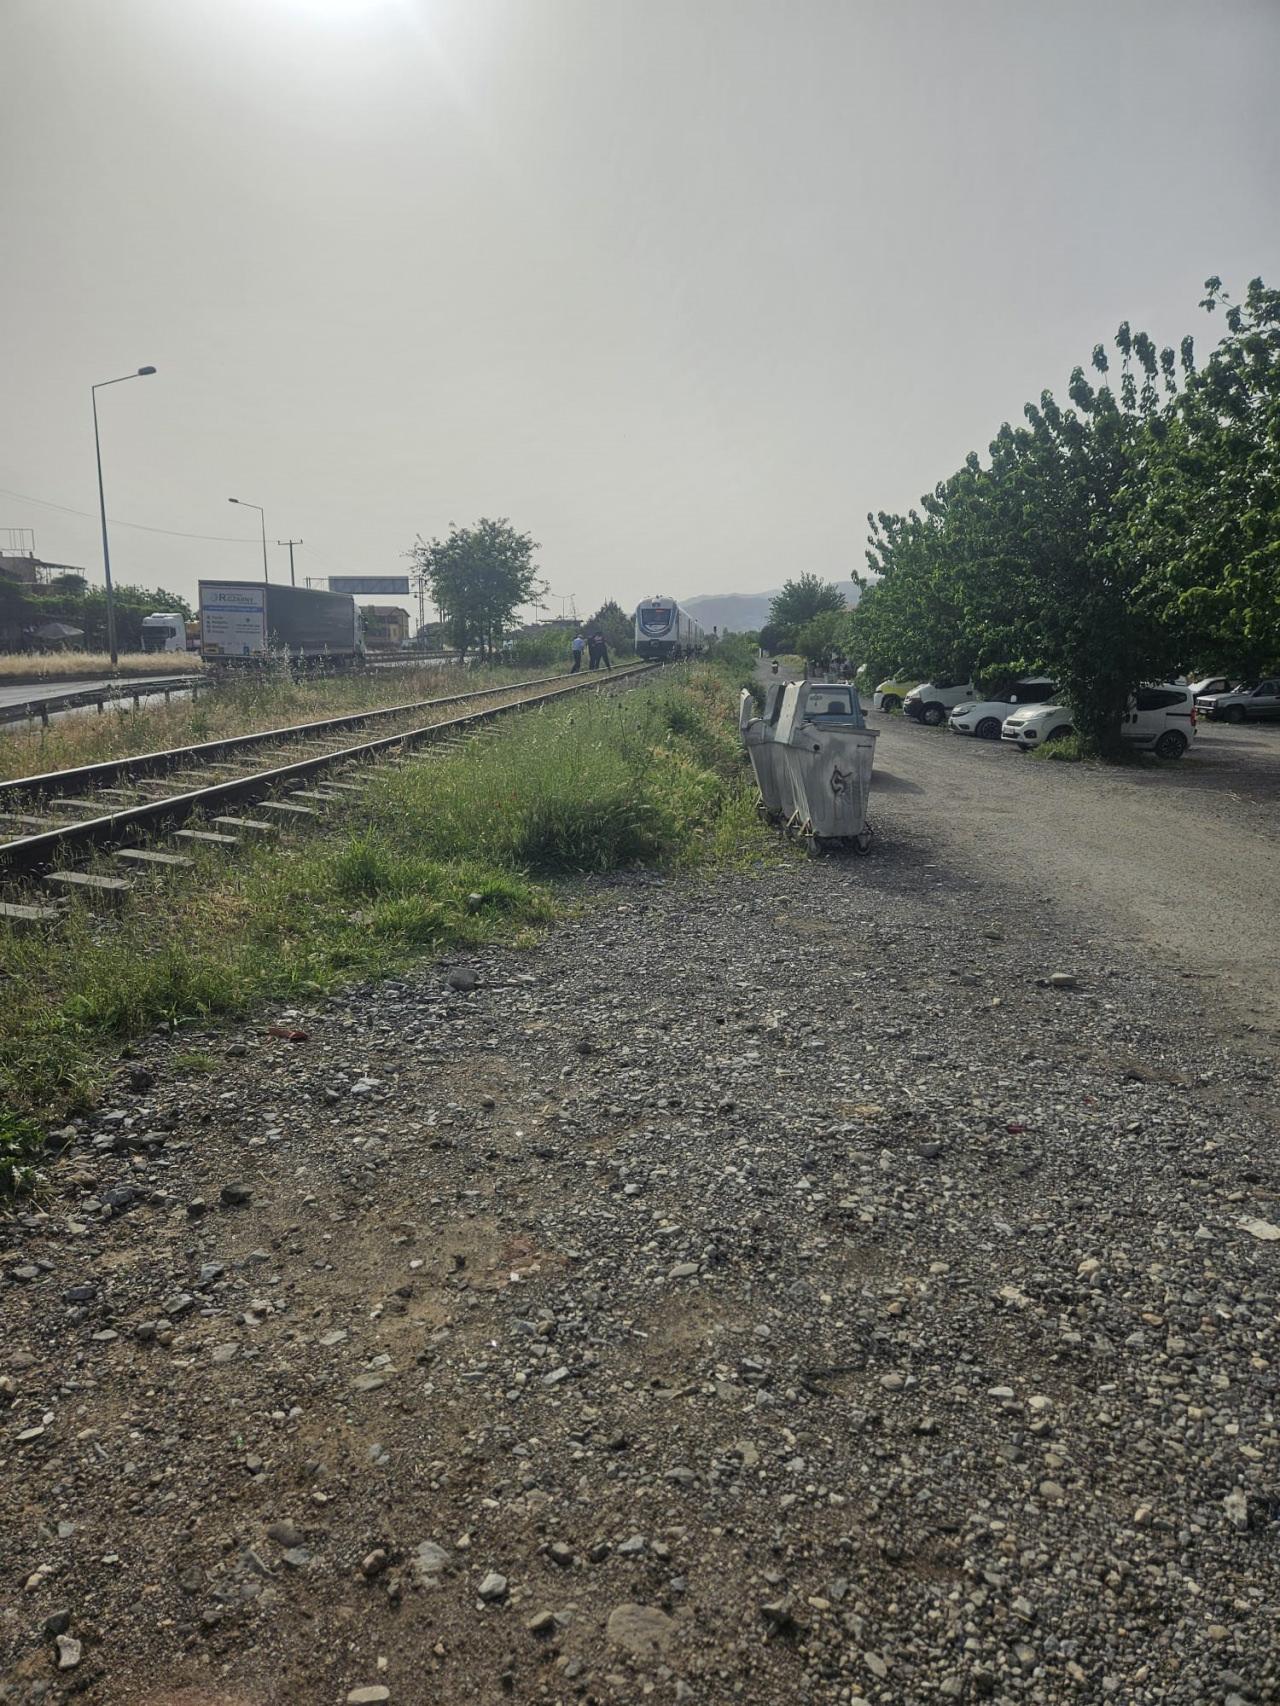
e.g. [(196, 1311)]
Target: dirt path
[(1183, 859)]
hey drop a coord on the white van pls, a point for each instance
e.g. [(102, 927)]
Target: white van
[(932, 701)]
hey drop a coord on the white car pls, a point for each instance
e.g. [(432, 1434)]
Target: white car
[(986, 718), (1034, 725), (1159, 719), (932, 701)]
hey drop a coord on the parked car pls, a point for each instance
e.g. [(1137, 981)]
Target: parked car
[(889, 695), (933, 701), (985, 718), (1036, 725), (1244, 705), (1158, 719), (1213, 684), (1161, 720)]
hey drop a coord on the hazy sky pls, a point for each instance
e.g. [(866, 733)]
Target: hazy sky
[(682, 287)]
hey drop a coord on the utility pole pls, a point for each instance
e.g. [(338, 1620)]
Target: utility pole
[(290, 543)]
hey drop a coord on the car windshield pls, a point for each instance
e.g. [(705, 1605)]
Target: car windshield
[(829, 704)]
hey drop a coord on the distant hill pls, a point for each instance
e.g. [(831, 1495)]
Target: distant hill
[(742, 611)]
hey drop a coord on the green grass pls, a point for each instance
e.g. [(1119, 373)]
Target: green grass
[(1069, 749), (652, 777), (273, 697), (21, 1144), (195, 1063)]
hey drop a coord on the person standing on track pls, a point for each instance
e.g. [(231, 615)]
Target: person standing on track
[(579, 646), (599, 648)]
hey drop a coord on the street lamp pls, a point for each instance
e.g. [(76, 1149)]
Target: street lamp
[(102, 505), (262, 517)]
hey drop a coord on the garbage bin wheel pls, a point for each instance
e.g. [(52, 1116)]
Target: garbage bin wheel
[(862, 841), (815, 846)]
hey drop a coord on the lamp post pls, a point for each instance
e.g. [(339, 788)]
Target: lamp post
[(262, 517), (141, 373)]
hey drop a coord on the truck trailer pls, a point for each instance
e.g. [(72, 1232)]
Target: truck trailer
[(252, 621)]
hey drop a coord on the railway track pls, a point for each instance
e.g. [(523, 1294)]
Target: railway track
[(60, 814)]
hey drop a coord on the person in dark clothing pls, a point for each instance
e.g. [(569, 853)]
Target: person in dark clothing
[(599, 649)]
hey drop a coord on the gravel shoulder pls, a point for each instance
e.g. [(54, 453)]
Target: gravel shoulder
[(770, 1287)]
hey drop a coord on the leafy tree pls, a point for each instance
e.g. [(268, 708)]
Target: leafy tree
[(478, 576), (825, 634), (1026, 560), (612, 621), (799, 602), (1207, 526)]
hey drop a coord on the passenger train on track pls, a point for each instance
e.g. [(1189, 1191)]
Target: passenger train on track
[(664, 630)]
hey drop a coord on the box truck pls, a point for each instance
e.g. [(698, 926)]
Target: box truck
[(241, 621)]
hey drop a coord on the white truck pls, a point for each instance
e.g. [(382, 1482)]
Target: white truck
[(164, 631)]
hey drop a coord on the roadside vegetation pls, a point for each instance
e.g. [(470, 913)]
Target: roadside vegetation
[(1128, 535), (17, 667), (239, 705), (443, 854)]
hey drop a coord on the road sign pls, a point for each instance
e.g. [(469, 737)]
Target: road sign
[(368, 586)]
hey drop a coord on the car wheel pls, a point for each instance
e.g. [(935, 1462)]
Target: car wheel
[(1060, 733), (1171, 744), (890, 702), (934, 715), (988, 729), (1235, 713)]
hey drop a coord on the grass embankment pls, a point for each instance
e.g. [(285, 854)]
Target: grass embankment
[(652, 777), (69, 667), (240, 705)]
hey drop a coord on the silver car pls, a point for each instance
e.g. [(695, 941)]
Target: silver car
[(1245, 705)]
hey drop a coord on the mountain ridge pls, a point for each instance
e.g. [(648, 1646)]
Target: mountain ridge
[(742, 612)]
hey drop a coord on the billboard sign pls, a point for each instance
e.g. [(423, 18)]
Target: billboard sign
[(369, 586)]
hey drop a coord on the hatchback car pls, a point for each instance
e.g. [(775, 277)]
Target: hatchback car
[(985, 718)]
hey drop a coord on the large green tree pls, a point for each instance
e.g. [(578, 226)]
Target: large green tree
[(800, 600), (1027, 560), (1206, 518), (478, 576), (612, 621)]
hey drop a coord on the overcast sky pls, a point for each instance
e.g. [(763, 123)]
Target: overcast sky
[(682, 287)]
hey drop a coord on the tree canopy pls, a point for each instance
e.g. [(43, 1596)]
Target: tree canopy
[(799, 602), (1112, 541), (478, 576), (612, 621)]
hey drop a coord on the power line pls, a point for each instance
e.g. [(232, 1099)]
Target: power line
[(138, 526)]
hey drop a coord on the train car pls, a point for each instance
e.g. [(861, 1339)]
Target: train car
[(664, 630)]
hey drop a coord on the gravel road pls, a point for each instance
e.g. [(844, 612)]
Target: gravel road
[(772, 1287), (1182, 859)]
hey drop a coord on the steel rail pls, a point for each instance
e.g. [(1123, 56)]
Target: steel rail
[(109, 770), (130, 823)]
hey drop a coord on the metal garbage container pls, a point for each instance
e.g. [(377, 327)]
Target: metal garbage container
[(768, 760), (827, 752)]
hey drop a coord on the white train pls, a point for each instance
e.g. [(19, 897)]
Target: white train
[(664, 630)]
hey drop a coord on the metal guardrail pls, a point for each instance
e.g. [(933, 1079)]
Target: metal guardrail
[(39, 706)]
